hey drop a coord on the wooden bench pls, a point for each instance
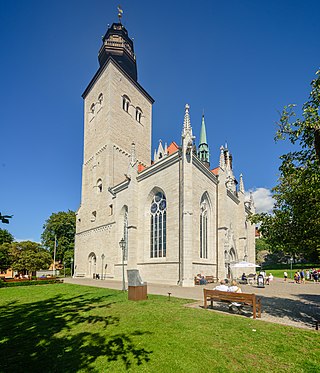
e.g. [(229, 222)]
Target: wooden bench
[(229, 297), (211, 279)]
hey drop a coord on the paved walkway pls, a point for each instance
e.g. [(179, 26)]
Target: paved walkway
[(282, 302)]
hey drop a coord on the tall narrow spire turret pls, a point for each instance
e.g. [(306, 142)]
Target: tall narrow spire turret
[(241, 184), (203, 149), (186, 122)]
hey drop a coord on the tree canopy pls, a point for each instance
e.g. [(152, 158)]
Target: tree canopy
[(62, 226), (5, 236), (5, 257), (294, 225), (6, 239), (29, 256)]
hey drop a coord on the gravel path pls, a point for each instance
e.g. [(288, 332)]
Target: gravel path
[(282, 302)]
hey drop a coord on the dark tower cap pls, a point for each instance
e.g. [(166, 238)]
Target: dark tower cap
[(118, 45)]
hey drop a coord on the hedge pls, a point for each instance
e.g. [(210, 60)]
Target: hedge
[(29, 283)]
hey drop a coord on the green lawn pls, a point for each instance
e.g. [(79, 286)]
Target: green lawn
[(278, 272), (69, 328)]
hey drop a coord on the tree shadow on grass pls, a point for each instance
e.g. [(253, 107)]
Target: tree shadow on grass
[(304, 310), (54, 335)]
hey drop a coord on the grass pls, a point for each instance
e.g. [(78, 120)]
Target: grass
[(69, 328), (278, 272), (278, 269)]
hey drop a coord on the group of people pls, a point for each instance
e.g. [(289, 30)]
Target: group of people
[(224, 286), (234, 288), (20, 276), (301, 276)]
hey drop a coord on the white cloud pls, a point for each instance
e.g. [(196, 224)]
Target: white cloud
[(25, 239), (263, 200)]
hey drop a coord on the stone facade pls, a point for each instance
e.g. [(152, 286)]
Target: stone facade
[(177, 217)]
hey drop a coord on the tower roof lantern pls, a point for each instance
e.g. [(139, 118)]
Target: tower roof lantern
[(118, 45)]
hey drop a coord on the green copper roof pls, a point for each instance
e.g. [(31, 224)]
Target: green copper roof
[(203, 135), (203, 150)]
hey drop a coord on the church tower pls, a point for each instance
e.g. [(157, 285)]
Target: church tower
[(117, 114)]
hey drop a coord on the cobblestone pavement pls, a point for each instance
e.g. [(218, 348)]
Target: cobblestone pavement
[(282, 302)]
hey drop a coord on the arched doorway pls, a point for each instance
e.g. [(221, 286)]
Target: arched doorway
[(92, 264)]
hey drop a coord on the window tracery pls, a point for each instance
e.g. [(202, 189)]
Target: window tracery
[(203, 228), (158, 226)]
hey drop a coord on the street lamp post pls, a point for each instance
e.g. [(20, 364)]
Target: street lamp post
[(122, 244), (64, 269), (71, 267), (291, 260), (102, 259)]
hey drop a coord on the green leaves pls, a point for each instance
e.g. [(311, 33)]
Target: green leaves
[(294, 225), (27, 256), (61, 225), (5, 236)]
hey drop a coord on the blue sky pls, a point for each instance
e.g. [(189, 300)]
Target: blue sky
[(239, 61)]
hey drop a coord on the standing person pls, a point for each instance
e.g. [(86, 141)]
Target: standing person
[(302, 276), (285, 275), (307, 275)]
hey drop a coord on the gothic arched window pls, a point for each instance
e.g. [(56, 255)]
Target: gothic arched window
[(125, 103), (99, 186), (203, 228), (232, 255), (158, 226), (138, 114)]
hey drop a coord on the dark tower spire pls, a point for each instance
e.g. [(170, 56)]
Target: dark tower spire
[(118, 46)]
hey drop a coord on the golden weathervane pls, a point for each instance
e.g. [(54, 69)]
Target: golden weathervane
[(120, 12)]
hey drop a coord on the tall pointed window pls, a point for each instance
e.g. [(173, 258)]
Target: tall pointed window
[(203, 228), (125, 234), (158, 226)]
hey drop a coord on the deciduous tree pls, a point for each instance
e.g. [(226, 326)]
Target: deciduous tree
[(5, 236), (29, 256), (5, 257), (294, 225), (61, 225)]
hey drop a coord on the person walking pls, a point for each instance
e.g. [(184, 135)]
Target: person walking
[(302, 276), (285, 275)]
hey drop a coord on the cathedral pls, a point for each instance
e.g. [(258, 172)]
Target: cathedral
[(170, 218)]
